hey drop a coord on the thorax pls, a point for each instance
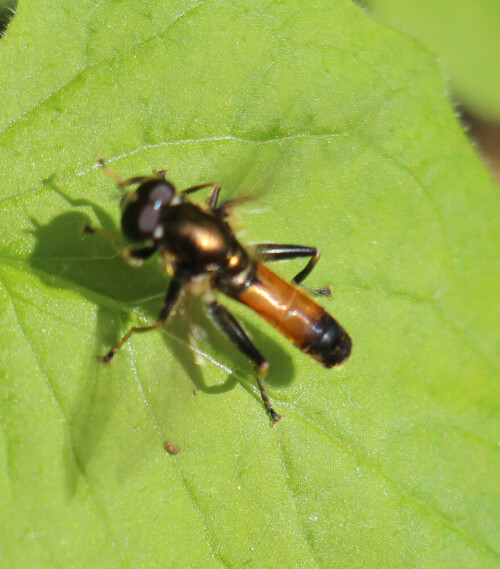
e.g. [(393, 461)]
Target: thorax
[(200, 241)]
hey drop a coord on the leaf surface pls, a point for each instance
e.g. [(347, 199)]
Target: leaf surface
[(341, 129)]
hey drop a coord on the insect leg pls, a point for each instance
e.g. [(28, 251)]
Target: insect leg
[(227, 207), (228, 324), (122, 183), (213, 196), (272, 252), (132, 256), (170, 299)]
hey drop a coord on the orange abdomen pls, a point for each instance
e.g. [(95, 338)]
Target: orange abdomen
[(297, 316)]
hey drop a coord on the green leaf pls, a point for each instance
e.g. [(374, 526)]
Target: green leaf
[(342, 128), (464, 35)]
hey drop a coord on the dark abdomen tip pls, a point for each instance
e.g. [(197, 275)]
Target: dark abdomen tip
[(333, 345)]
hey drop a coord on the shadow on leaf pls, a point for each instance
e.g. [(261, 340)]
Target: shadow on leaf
[(65, 258)]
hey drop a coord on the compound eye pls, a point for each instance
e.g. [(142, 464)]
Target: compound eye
[(148, 219), (161, 194), (155, 191), (142, 208), (139, 220)]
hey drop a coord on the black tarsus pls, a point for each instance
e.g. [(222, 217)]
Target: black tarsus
[(143, 253)]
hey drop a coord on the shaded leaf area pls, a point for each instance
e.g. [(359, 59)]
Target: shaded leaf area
[(7, 10), (464, 35), (341, 131)]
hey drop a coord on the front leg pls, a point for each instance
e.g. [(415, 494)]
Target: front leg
[(133, 256), (119, 181)]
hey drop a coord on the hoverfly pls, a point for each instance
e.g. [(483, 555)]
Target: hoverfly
[(202, 255)]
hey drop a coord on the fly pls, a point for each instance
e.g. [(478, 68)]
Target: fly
[(201, 254)]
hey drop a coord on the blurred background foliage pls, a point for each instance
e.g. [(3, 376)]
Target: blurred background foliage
[(465, 37)]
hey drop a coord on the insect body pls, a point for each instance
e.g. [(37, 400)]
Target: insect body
[(202, 254)]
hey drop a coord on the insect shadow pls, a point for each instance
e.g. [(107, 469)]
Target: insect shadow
[(63, 258)]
